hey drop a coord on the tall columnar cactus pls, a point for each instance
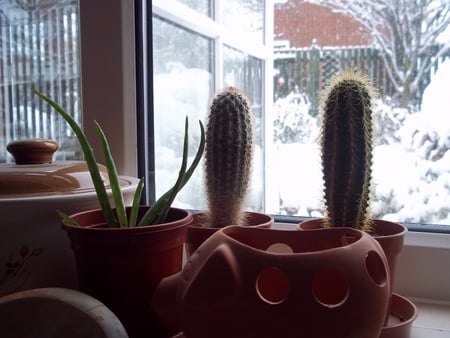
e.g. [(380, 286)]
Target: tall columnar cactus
[(347, 143), (229, 156)]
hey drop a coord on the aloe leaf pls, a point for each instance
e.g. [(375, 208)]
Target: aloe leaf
[(135, 206), (89, 158), (114, 179), (161, 207), (197, 157), (66, 219)]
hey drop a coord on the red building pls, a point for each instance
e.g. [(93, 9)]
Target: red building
[(301, 23)]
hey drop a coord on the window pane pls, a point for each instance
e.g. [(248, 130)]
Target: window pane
[(39, 48), (411, 170), (204, 7), (182, 62), (246, 73), (244, 17)]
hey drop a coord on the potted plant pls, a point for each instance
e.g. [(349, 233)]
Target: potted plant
[(347, 154), (228, 167), (257, 282), (121, 252)]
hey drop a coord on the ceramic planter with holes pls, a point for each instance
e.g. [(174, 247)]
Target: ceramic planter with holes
[(256, 282), (390, 235)]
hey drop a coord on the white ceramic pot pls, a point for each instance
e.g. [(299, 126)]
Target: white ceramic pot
[(34, 250)]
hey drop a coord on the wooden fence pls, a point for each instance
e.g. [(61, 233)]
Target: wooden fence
[(307, 70), (39, 49)]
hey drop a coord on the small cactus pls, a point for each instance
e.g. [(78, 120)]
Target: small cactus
[(347, 143), (228, 157)]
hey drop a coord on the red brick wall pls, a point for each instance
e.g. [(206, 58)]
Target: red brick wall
[(301, 22)]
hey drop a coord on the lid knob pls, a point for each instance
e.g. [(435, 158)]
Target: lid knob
[(32, 151)]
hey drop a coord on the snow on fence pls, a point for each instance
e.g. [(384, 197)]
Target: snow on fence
[(39, 49), (306, 70)]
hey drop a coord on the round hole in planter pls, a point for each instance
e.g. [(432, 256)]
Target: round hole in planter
[(376, 269), (330, 287), (273, 285), (281, 248)]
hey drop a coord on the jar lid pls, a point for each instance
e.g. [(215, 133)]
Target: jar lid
[(34, 173)]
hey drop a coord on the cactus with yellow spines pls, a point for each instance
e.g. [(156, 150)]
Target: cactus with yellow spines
[(346, 150), (228, 157)]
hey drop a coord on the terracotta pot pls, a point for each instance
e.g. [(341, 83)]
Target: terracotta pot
[(33, 245), (121, 267), (256, 282), (390, 236), (197, 232)]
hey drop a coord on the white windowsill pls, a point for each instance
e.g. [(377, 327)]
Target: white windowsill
[(432, 321)]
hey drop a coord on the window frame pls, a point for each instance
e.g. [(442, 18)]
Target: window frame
[(107, 93)]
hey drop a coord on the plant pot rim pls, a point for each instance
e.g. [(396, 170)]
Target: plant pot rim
[(100, 226), (315, 236), (201, 215), (383, 227)]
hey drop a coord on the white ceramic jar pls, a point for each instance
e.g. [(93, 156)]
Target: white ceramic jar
[(34, 250)]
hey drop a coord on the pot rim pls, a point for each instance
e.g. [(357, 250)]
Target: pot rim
[(351, 232), (96, 228)]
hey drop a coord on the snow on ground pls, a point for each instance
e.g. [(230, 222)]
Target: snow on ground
[(411, 166)]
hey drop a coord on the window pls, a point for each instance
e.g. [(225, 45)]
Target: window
[(110, 59), (39, 48), (198, 48)]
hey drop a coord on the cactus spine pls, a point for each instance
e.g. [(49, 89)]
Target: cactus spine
[(228, 157), (347, 143)]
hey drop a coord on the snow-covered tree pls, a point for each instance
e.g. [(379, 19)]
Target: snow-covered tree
[(406, 32)]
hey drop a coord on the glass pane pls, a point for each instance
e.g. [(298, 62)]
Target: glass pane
[(204, 7), (246, 73), (246, 18), (39, 48), (411, 170), (182, 62)]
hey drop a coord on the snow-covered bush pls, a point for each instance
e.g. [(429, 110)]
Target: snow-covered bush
[(411, 167)]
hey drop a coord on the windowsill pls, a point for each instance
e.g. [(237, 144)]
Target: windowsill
[(432, 321)]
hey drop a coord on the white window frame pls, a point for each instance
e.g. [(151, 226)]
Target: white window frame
[(109, 96)]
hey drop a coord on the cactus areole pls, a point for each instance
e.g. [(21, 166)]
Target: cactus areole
[(347, 142), (228, 157)]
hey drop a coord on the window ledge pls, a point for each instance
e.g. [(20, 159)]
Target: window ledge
[(432, 321)]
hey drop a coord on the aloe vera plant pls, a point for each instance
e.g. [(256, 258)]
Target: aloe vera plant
[(347, 145), (117, 216)]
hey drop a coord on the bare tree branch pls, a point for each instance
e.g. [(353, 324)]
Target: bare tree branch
[(406, 33)]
